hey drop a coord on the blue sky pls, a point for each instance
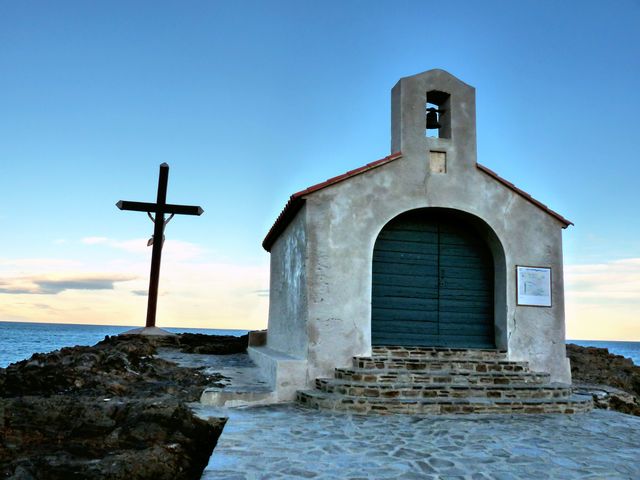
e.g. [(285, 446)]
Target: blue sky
[(251, 101)]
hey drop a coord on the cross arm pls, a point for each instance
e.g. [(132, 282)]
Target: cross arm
[(153, 207)]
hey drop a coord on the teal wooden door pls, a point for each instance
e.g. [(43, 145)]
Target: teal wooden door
[(432, 284)]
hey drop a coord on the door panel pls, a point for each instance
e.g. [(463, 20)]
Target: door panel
[(432, 284)]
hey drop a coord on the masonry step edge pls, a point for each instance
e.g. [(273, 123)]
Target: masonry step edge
[(492, 361), (437, 352), (436, 386), (572, 398), (435, 373), (331, 401)]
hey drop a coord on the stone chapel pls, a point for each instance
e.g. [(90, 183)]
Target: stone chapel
[(423, 248)]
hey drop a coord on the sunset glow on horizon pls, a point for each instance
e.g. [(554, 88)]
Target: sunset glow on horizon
[(194, 292)]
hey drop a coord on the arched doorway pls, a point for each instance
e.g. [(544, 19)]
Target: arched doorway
[(433, 282)]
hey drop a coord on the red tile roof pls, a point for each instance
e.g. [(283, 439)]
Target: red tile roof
[(296, 201), (524, 194)]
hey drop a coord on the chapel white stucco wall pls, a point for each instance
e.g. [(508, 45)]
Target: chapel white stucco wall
[(288, 292), (340, 250)]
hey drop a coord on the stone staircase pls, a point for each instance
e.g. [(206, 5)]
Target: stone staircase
[(441, 381)]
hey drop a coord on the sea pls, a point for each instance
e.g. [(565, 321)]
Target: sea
[(19, 341)]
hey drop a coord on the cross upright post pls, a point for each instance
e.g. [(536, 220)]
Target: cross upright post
[(156, 252), (160, 208)]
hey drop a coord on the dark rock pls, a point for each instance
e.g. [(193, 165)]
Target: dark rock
[(612, 380), (108, 411), (199, 343), (609, 398)]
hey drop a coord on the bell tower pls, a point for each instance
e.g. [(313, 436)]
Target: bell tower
[(433, 116)]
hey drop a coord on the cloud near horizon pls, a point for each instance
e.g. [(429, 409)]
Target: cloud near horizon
[(195, 292), (603, 300), (616, 281), (94, 240), (40, 263), (175, 250), (46, 285)]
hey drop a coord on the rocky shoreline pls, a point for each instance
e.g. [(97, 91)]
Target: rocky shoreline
[(113, 411), (612, 380), (116, 410)]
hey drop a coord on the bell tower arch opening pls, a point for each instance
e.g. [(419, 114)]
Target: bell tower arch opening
[(438, 114)]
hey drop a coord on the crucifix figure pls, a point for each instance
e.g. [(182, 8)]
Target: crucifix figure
[(160, 208)]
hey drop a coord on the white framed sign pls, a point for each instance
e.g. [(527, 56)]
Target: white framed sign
[(533, 286)]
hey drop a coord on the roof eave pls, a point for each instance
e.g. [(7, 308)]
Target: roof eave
[(291, 209), (296, 201), (525, 195)]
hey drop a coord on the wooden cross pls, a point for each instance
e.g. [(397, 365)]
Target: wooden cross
[(160, 208)]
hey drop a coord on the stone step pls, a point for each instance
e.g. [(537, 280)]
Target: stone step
[(439, 353), (460, 365), (440, 376), (416, 390), (364, 405)]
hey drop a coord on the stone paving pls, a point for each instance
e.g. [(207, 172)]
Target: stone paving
[(289, 441), (238, 369)]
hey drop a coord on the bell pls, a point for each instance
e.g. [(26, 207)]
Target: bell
[(432, 119)]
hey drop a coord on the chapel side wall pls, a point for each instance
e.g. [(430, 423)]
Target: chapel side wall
[(287, 331)]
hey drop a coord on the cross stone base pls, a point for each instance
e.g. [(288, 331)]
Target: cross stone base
[(155, 331)]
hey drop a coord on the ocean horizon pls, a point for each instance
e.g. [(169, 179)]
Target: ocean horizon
[(20, 340)]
